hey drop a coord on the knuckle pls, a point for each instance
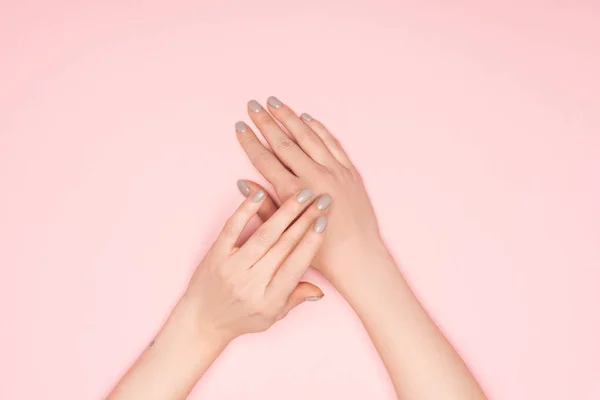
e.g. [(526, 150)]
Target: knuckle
[(269, 313), (308, 136), (263, 236), (260, 157), (356, 175), (285, 246), (335, 143), (230, 226), (322, 172), (284, 144)]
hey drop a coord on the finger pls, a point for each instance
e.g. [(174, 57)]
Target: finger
[(263, 160), (270, 231), (268, 207), (237, 222), (334, 146), (283, 146), (293, 268), (307, 139), (304, 291), (270, 262)]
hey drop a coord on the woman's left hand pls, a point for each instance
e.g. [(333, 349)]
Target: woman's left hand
[(246, 289), (233, 291)]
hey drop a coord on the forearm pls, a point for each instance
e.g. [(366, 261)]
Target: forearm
[(420, 361), (170, 367)]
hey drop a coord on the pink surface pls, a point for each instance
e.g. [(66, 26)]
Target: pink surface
[(476, 128)]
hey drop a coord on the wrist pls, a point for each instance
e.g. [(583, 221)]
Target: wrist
[(193, 330), (359, 259), (368, 274)]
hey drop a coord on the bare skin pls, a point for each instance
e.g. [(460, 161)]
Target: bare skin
[(232, 292), (421, 362), (237, 290)]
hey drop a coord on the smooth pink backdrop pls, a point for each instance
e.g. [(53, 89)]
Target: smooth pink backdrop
[(476, 128)]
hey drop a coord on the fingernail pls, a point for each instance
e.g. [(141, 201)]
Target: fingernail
[(304, 195), (274, 102), (258, 196), (324, 202), (320, 224), (313, 298), (306, 117), (254, 106), (243, 187), (241, 127)]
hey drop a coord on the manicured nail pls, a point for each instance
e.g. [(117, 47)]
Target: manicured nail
[(313, 298), (244, 188), (274, 102), (306, 117), (324, 202), (258, 196), (304, 195), (254, 106), (320, 224), (241, 127)]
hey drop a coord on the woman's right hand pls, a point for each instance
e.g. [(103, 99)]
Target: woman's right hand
[(306, 154), (246, 289)]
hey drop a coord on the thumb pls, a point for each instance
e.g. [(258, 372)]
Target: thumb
[(304, 291)]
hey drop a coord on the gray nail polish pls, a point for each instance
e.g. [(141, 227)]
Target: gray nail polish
[(304, 195), (320, 224), (306, 117), (254, 106), (243, 187), (241, 127), (258, 196), (313, 298), (324, 202), (274, 102)]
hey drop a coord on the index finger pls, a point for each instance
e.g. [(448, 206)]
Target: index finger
[(269, 232), (263, 160)]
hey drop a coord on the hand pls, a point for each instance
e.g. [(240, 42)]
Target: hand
[(308, 155), (246, 289)]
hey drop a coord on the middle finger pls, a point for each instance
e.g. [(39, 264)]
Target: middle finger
[(283, 146)]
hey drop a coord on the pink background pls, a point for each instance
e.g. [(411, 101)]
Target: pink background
[(476, 128)]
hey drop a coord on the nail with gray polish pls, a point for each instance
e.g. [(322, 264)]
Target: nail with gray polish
[(320, 224), (324, 202), (241, 127), (306, 117), (313, 298), (258, 196), (304, 195), (243, 187), (254, 106), (274, 102)]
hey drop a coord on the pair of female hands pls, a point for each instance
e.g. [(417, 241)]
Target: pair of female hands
[(325, 220), (246, 289)]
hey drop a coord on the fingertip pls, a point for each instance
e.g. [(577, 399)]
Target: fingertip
[(306, 117), (324, 202), (258, 196), (243, 187), (320, 224), (241, 127), (254, 106)]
